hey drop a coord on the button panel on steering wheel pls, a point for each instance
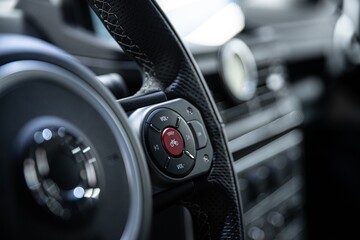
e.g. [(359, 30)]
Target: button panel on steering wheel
[(175, 138), (177, 142)]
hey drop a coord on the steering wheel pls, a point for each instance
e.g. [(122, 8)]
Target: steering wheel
[(72, 164)]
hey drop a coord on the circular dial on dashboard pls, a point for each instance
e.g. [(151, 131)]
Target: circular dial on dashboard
[(238, 70), (61, 172)]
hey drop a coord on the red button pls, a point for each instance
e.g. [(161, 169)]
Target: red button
[(172, 142)]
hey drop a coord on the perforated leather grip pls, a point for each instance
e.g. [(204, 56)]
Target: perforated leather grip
[(144, 33)]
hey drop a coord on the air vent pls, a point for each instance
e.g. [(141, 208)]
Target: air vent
[(271, 80), (270, 87)]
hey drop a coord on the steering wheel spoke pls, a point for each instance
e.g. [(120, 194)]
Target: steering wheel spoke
[(143, 31)]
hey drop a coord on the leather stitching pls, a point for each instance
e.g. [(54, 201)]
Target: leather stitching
[(123, 39)]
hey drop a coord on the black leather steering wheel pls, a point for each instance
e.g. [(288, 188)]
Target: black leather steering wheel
[(45, 100)]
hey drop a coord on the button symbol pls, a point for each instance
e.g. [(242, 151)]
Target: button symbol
[(170, 133), (156, 147), (174, 143), (199, 134), (164, 118), (180, 166), (188, 137)]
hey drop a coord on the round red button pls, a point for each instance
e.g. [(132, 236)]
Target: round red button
[(172, 142)]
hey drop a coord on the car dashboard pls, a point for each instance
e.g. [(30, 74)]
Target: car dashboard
[(268, 69)]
